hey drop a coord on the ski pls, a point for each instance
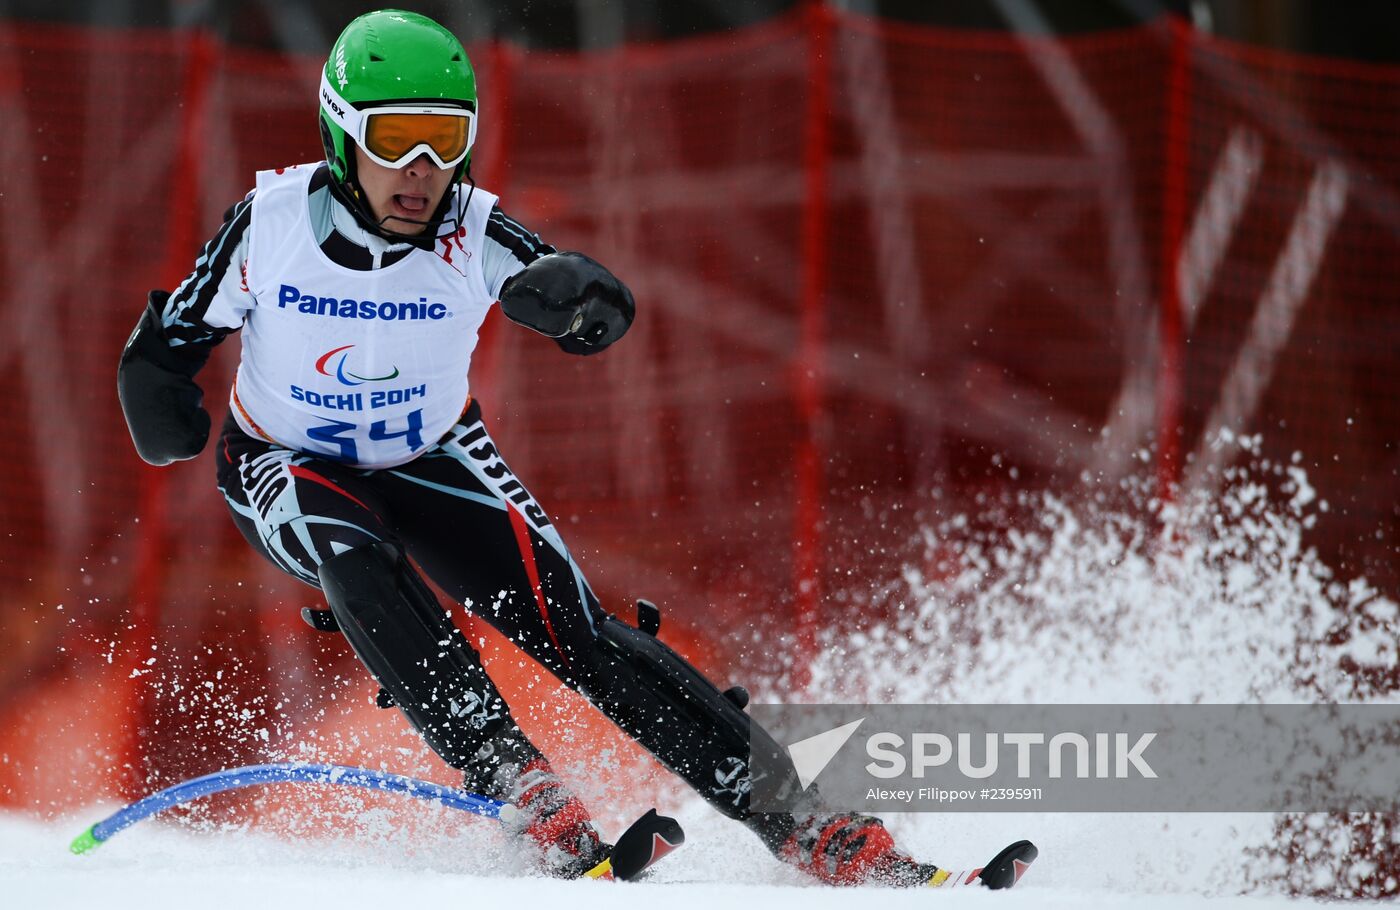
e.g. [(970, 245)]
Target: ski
[(1002, 871), (640, 847)]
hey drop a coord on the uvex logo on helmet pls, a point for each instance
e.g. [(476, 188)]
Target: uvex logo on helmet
[(331, 103)]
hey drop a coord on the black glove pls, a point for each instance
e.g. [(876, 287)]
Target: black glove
[(572, 299), (159, 397)]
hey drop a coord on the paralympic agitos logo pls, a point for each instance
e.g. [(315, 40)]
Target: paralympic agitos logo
[(345, 376)]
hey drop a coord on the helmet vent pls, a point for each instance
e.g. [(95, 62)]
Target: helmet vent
[(375, 58), (456, 58)]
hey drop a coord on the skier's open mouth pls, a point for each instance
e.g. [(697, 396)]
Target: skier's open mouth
[(411, 204)]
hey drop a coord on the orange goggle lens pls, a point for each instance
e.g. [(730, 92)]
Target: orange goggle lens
[(391, 136)]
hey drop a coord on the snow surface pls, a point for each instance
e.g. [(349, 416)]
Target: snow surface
[(1083, 602), (155, 867)]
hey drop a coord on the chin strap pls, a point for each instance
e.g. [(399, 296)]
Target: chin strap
[(350, 195), (433, 227)]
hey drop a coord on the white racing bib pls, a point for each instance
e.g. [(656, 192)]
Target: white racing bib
[(368, 368)]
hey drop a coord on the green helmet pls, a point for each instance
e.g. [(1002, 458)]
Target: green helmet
[(389, 57)]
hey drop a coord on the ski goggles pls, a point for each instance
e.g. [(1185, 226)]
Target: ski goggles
[(394, 135)]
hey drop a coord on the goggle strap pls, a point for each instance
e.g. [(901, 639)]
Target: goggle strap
[(341, 111)]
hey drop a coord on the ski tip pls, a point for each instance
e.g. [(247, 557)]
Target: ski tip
[(644, 843), (602, 872), (1006, 868), (85, 842)]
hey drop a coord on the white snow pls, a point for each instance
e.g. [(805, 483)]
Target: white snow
[(157, 866)]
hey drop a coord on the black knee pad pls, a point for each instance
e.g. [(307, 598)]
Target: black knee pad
[(658, 676), (682, 718), (420, 658)]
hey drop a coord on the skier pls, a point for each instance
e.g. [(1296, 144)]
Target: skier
[(353, 443)]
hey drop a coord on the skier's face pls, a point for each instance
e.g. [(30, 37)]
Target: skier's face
[(406, 196)]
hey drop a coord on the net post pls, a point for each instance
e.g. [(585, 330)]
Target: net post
[(1175, 190), (810, 367)]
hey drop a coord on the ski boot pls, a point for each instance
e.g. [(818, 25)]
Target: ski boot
[(852, 850), (857, 850), (549, 822), (552, 822)]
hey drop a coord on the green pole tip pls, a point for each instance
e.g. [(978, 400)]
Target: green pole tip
[(84, 842)]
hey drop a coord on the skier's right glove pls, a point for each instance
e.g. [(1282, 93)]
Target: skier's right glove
[(159, 397), (572, 299)]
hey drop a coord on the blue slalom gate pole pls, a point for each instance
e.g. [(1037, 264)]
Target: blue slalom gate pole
[(291, 772)]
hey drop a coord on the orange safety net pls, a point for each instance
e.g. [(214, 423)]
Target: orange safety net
[(871, 260)]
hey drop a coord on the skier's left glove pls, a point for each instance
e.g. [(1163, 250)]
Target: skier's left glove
[(572, 299), (161, 402)]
